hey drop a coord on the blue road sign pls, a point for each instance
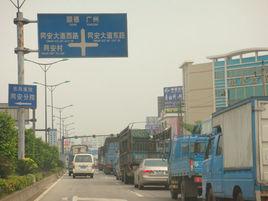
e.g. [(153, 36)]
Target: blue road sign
[(22, 96), (82, 35), (173, 95)]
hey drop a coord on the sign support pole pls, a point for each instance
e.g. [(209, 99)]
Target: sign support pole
[(20, 51), (19, 21)]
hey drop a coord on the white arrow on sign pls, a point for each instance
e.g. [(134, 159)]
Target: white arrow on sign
[(21, 103), (83, 44)]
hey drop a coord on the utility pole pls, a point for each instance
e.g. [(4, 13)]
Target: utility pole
[(20, 51)]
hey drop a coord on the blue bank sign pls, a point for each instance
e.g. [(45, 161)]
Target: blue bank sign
[(82, 35), (22, 96)]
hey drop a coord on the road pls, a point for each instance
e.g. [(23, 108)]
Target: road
[(100, 188)]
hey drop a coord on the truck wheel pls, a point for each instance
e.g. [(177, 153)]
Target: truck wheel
[(70, 173), (140, 187), (239, 197), (183, 193), (237, 194), (73, 176), (210, 195), (174, 195)]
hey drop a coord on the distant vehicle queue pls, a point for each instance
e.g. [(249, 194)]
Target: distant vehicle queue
[(228, 164)]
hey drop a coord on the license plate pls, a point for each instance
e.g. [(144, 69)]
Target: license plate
[(83, 167)]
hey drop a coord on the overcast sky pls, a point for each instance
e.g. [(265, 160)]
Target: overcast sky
[(107, 94)]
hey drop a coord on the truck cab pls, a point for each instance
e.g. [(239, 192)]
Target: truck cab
[(185, 166)]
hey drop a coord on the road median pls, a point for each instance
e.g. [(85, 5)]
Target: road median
[(31, 192)]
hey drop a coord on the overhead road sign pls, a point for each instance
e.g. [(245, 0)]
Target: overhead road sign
[(82, 35), (22, 96)]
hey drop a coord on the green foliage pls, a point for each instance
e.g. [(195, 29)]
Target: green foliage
[(45, 156), (8, 144), (193, 128), (26, 166), (15, 183), (6, 166)]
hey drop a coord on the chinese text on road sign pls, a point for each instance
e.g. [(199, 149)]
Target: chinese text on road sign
[(22, 96), (82, 35)]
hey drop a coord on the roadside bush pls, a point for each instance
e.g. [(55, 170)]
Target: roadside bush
[(26, 166), (15, 183), (6, 166), (38, 176)]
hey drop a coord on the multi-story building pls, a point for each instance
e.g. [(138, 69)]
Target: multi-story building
[(239, 74), (160, 104), (52, 137), (197, 91)]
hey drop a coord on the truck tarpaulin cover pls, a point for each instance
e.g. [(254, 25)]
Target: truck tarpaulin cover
[(237, 136)]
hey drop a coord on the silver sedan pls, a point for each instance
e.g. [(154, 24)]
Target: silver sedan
[(151, 171)]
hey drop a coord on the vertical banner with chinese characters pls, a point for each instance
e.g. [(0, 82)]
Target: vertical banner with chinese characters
[(172, 96), (22, 96), (82, 35)]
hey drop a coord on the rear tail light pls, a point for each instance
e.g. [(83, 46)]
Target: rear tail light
[(191, 165), (148, 171), (198, 179)]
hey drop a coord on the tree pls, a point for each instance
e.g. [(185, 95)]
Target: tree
[(193, 128)]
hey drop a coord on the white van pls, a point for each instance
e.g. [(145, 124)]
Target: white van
[(83, 165)]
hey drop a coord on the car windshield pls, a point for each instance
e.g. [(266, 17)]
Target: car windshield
[(83, 158), (161, 163)]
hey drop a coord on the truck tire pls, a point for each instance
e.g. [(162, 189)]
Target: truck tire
[(126, 179), (70, 173), (183, 191), (174, 194), (237, 194), (210, 195)]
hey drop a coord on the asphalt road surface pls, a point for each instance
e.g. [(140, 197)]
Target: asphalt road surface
[(100, 188)]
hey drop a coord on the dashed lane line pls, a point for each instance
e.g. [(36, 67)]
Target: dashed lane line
[(137, 194), (76, 198)]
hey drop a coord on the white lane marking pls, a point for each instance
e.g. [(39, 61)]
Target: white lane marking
[(64, 199), (75, 198), (46, 191), (137, 194)]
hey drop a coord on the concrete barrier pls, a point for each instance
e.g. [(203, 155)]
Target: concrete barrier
[(31, 192)]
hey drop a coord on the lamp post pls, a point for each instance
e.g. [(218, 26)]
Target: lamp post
[(62, 121), (51, 89), (62, 131), (45, 67)]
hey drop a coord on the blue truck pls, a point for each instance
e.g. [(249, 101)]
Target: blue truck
[(236, 160), (185, 166), (111, 149)]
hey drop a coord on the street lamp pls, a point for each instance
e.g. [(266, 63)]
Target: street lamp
[(45, 67), (67, 130), (62, 123), (51, 89)]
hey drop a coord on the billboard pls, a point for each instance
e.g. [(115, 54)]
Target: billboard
[(172, 97)]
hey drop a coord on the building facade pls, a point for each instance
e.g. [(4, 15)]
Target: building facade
[(52, 137), (198, 91), (239, 75)]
